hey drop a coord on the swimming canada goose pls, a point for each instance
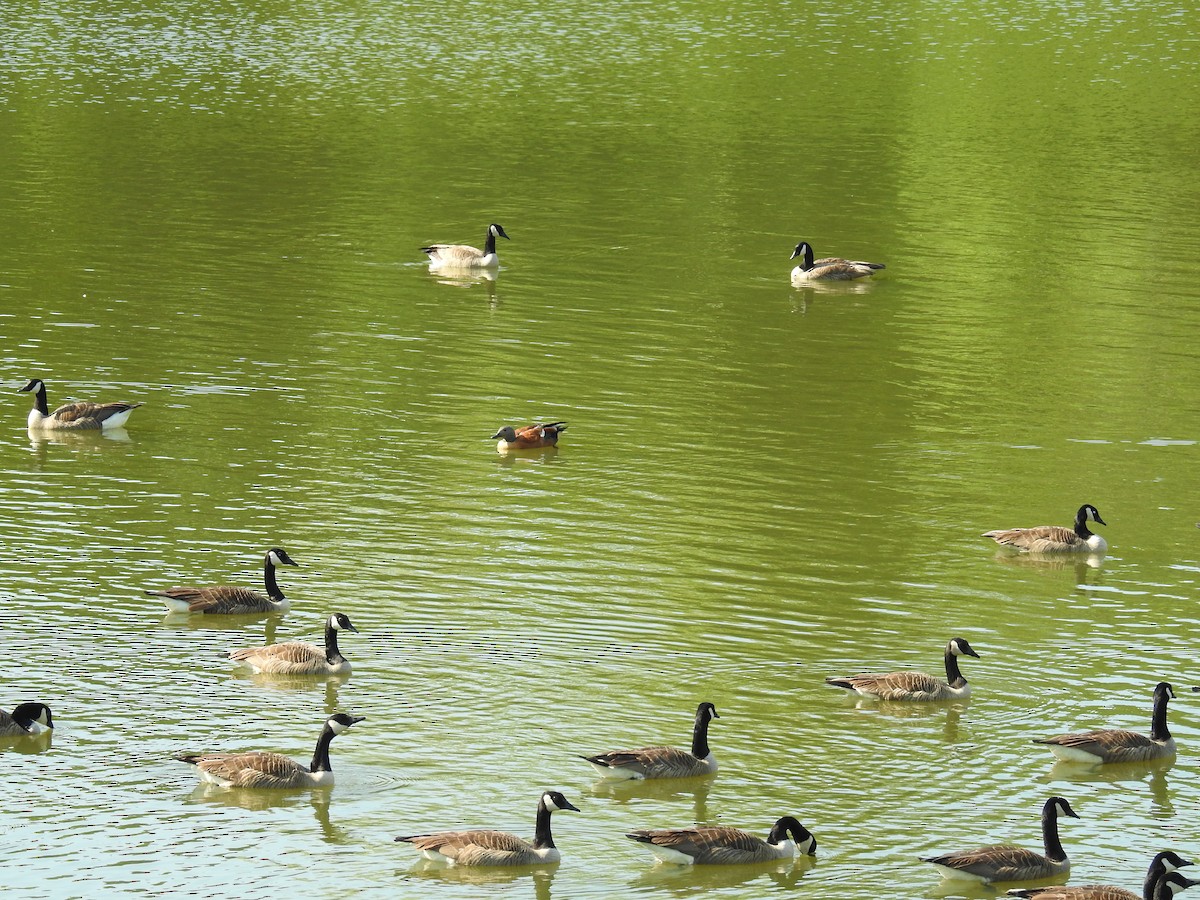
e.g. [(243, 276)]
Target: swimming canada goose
[(529, 437), (914, 685), (663, 762), (1114, 745), (721, 845), (26, 719), (463, 256), (300, 657), (230, 601), (76, 416), (1055, 538), (1005, 863), (258, 769), (831, 268), (487, 847), (1162, 864)]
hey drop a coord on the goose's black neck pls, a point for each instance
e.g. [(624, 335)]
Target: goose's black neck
[(332, 654), (39, 400), (700, 734), (320, 760), (1054, 847), (807, 258), (1158, 722), (1156, 871), (954, 675), (1081, 528), (273, 590), (489, 246), (542, 839)]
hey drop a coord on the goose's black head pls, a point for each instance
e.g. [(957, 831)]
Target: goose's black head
[(341, 722), (802, 249), (706, 711), (25, 714), (805, 842), (277, 556), (960, 647), (341, 622), (554, 801), (35, 385), (1058, 806), (1089, 513), (497, 230)]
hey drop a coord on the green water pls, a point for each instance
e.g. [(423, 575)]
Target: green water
[(217, 211)]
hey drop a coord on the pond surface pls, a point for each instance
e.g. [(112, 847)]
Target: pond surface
[(216, 211)]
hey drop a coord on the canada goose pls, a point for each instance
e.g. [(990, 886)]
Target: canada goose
[(1162, 864), (663, 762), (1109, 745), (26, 719), (529, 437), (914, 685), (258, 769), (722, 845), (831, 268), (227, 600), (1055, 538), (462, 256), (1005, 863), (300, 657), (487, 847), (81, 416)]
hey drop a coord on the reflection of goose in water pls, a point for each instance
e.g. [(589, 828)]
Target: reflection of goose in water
[(270, 624), (39, 439), (257, 801), (485, 876), (1084, 565), (672, 790), (688, 881), (1153, 774)]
